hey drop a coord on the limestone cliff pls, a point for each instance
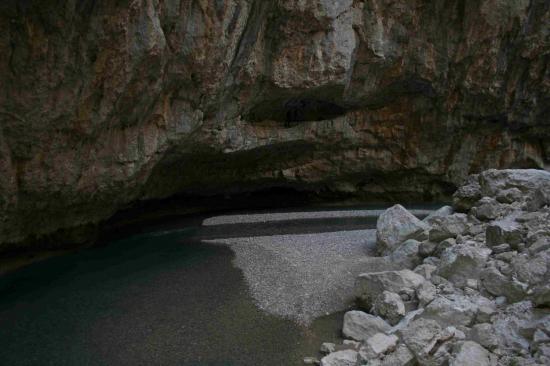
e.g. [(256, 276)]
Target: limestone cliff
[(104, 103)]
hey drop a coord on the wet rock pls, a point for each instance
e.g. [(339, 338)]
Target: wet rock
[(341, 358), (389, 306), (361, 326), (396, 225), (371, 285)]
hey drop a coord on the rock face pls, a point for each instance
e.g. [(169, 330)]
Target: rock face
[(108, 103), (467, 303)]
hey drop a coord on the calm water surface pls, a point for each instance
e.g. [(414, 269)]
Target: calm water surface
[(151, 299)]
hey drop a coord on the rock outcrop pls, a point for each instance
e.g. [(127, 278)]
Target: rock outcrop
[(469, 303), (108, 103)]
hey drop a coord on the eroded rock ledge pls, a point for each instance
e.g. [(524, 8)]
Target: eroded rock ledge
[(107, 103), (470, 284)]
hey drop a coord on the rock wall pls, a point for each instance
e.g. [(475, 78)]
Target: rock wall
[(105, 103)]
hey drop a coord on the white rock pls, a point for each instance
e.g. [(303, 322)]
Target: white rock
[(441, 212), (371, 285), (361, 326), (341, 358), (452, 309), (396, 225), (425, 293), (461, 262), (470, 353), (378, 344), (327, 347), (425, 270)]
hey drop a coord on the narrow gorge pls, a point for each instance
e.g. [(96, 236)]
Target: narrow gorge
[(186, 157)]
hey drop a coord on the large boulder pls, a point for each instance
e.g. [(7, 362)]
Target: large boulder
[(396, 225), (533, 184), (371, 285), (361, 326), (455, 310), (462, 262), (390, 307)]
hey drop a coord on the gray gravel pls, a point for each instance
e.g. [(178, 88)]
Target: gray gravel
[(303, 276), (287, 216)]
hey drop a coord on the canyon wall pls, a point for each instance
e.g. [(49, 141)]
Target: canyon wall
[(107, 103)]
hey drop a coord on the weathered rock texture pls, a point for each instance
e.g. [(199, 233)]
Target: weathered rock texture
[(486, 300), (104, 103)]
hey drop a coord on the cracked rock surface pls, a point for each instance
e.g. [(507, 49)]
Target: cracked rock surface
[(109, 103)]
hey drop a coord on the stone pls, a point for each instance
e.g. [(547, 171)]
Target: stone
[(509, 195), (361, 326), (341, 358), (541, 295), (440, 212), (462, 262), (371, 285), (377, 345), (406, 254), (445, 244), (448, 227), (311, 361), (425, 293), (530, 182), (396, 225), (389, 306), (402, 356), (327, 347), (488, 208), (505, 231), (498, 284), (530, 270), (424, 338), (467, 195), (452, 309), (508, 326), (470, 353), (484, 334), (425, 270), (501, 248), (426, 248)]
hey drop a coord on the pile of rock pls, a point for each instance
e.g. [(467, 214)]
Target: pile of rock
[(468, 285)]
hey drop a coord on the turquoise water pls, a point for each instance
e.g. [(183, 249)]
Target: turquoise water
[(151, 299)]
